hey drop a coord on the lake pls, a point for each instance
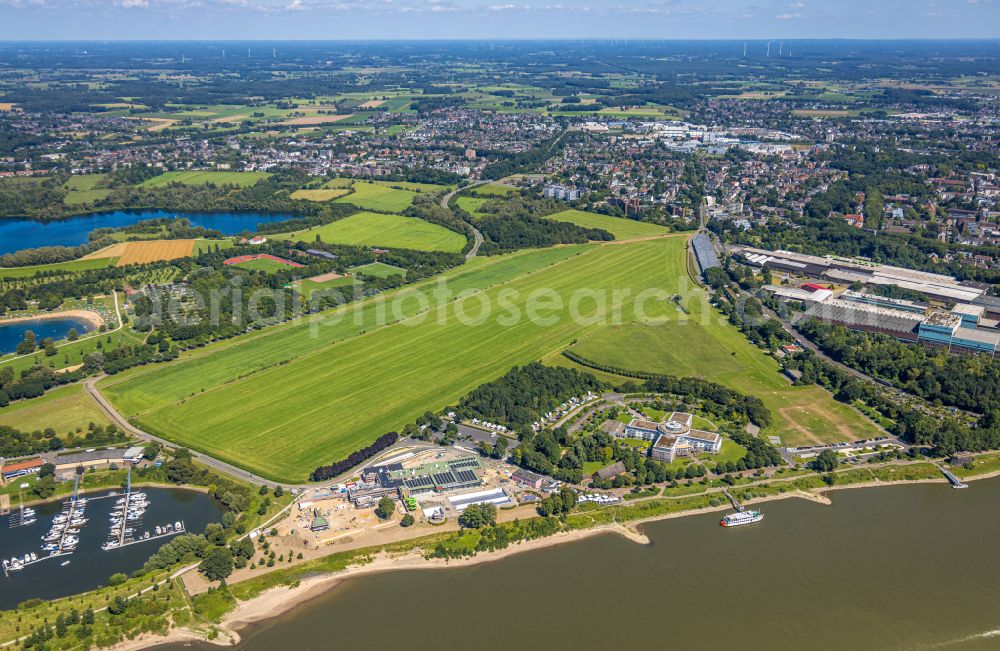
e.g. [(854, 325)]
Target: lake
[(90, 566), (903, 567), (17, 234), (11, 334)]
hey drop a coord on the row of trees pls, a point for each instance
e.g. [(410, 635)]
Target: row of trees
[(355, 458)]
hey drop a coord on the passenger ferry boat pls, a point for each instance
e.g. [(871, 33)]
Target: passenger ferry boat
[(740, 518)]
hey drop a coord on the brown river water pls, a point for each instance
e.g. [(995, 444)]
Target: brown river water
[(900, 567)]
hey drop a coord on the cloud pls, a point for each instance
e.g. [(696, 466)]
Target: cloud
[(132, 4), (788, 16)]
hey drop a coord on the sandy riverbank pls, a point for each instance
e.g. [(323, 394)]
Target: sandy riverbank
[(93, 319)]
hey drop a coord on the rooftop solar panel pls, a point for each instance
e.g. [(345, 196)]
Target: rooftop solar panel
[(444, 478), (466, 476)]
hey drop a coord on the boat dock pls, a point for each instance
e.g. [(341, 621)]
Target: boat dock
[(736, 505), (955, 481), (126, 519)]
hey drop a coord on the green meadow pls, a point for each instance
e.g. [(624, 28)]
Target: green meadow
[(374, 196), (64, 267), (378, 229), (284, 402), (621, 228), (203, 177)]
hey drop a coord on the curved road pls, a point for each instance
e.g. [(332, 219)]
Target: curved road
[(475, 231), (90, 386)]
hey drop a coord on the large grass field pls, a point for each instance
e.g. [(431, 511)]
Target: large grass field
[(379, 270), (622, 229), (72, 266), (286, 401), (64, 409), (203, 177), (82, 189), (378, 229), (374, 196), (471, 205), (319, 194)]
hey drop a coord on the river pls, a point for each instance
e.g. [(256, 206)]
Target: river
[(89, 565), (11, 334), (17, 234), (902, 567)]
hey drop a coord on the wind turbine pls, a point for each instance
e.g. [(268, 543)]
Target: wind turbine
[(781, 46), (769, 48), (744, 49)]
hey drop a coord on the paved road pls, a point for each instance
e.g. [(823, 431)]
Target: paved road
[(475, 231), (90, 386)]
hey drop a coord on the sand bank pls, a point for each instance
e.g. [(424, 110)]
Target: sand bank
[(93, 319)]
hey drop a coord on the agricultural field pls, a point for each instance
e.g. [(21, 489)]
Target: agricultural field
[(622, 229), (377, 229), (83, 189), (154, 250), (379, 270), (64, 409), (204, 177), (287, 400), (381, 198)]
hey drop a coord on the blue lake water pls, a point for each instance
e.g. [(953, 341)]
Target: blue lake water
[(18, 234), (11, 334)]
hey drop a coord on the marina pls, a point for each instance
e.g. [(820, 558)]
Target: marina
[(127, 518), (68, 537)]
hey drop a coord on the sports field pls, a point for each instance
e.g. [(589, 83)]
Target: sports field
[(378, 229), (621, 228), (373, 196), (294, 397), (203, 177), (154, 250), (262, 262)]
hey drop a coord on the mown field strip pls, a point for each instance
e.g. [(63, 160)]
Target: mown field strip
[(207, 367)]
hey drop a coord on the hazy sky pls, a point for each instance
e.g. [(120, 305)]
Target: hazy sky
[(367, 19)]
